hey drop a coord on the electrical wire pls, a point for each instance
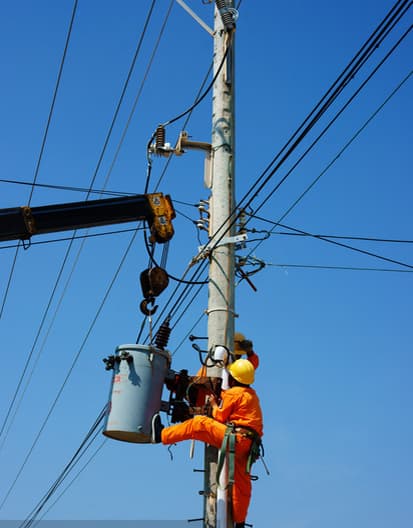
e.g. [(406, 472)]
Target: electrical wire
[(187, 306), (68, 251), (90, 459), (79, 237), (181, 279), (336, 157), (332, 121), (352, 248), (9, 280), (348, 74), (207, 90), (267, 179), (29, 357), (345, 237), (185, 216), (199, 98), (192, 283), (72, 366), (347, 268), (352, 139), (137, 98), (79, 453), (188, 112), (45, 135), (181, 299), (68, 188), (188, 334), (123, 92), (40, 351), (49, 119), (185, 124)]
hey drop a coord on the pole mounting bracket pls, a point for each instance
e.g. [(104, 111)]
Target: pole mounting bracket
[(204, 251)]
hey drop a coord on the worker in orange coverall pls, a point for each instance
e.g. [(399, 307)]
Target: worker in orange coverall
[(240, 407)]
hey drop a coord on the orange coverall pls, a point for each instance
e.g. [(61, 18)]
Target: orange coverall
[(240, 406)]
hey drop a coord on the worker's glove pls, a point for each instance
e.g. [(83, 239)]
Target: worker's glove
[(246, 346)]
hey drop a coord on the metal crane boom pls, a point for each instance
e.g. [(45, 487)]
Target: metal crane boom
[(24, 222)]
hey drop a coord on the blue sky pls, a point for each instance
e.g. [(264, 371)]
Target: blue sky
[(335, 344)]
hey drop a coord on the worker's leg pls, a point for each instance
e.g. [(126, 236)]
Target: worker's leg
[(199, 427), (241, 490), (212, 432)]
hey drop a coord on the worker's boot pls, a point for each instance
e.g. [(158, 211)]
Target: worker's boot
[(240, 525), (157, 427)]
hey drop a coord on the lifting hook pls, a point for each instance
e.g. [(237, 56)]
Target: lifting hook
[(144, 306)]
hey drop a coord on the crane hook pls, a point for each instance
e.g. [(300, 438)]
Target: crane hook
[(144, 306)]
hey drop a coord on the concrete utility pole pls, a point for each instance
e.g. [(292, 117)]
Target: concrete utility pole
[(221, 207)]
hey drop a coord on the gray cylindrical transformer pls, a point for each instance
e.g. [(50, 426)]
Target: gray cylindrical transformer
[(136, 391)]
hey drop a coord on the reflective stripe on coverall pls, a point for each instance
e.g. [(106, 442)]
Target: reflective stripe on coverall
[(240, 405)]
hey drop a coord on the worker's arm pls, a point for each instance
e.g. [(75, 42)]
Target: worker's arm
[(222, 412), (253, 358), (247, 346)]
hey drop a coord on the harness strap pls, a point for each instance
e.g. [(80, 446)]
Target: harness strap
[(228, 444), (256, 451)]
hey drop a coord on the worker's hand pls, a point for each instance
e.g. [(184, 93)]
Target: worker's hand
[(212, 400), (246, 346)]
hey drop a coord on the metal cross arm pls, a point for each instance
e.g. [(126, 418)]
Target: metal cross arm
[(23, 222)]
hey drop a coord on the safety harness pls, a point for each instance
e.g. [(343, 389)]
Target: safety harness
[(228, 446)]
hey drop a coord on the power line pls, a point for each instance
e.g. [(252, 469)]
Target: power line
[(72, 366), (181, 280), (137, 98), (9, 280), (59, 76), (185, 293), (123, 92), (371, 45), (331, 163), (79, 453), (331, 241), (349, 268), (342, 237), (90, 459), (382, 31), (78, 237), (348, 74), (67, 188), (199, 98), (169, 160), (68, 251), (45, 135), (332, 121)]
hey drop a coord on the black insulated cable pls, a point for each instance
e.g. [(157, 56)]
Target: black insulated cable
[(81, 450)]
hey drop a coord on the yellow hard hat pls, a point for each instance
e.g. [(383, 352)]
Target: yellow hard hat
[(238, 338), (242, 370)]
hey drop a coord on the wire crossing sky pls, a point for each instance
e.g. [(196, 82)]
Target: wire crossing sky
[(323, 112)]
